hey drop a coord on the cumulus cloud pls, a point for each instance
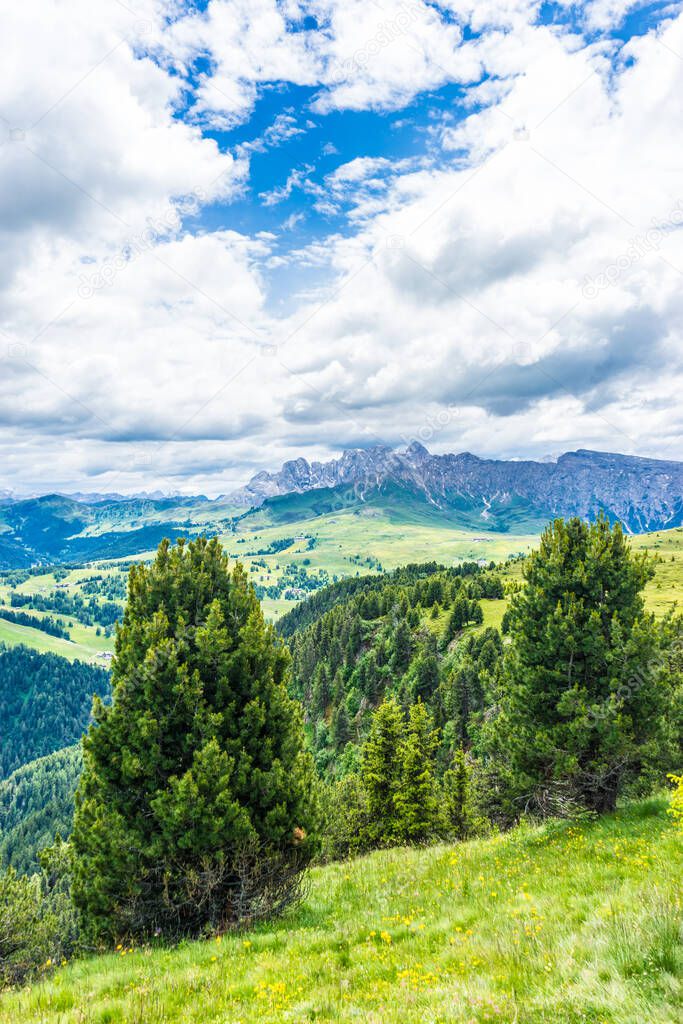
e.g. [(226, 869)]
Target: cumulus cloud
[(514, 289)]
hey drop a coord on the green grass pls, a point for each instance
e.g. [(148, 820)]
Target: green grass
[(666, 590), (13, 635), (569, 924)]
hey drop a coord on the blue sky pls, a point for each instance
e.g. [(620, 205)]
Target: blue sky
[(240, 231), (321, 143)]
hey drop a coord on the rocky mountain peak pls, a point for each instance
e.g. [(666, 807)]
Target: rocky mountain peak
[(642, 493)]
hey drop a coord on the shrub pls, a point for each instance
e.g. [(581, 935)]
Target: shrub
[(38, 925), (676, 808)]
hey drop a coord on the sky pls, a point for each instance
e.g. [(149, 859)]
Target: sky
[(236, 232)]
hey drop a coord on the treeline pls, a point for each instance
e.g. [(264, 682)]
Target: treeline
[(90, 612), (46, 624), (36, 803), (45, 703)]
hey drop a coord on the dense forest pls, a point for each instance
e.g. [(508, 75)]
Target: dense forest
[(406, 634), (37, 802), (45, 704)]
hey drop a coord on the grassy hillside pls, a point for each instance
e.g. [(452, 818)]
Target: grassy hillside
[(567, 923), (666, 589)]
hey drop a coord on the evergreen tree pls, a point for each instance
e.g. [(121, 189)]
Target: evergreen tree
[(466, 697), (461, 817), (320, 691), (381, 771), (341, 727), (416, 802), (401, 648), (426, 668), (475, 613), (457, 618), (199, 757), (580, 697)]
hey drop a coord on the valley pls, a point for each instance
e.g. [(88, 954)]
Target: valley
[(300, 556)]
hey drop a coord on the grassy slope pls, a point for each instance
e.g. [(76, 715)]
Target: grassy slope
[(565, 924), (667, 587)]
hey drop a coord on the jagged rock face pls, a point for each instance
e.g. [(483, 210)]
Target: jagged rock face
[(644, 494)]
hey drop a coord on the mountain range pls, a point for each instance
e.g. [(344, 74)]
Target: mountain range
[(460, 490), (644, 494)]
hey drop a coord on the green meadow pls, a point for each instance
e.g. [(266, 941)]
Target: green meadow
[(567, 923)]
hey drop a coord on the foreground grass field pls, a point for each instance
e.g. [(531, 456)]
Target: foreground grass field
[(570, 924)]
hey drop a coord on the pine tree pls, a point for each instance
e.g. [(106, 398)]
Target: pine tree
[(381, 771), (476, 613), (426, 680), (462, 819), (199, 756), (457, 618), (581, 700), (416, 800), (402, 648), (320, 690), (466, 697), (341, 727)]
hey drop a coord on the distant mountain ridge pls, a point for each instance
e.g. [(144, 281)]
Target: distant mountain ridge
[(460, 491), (644, 494)]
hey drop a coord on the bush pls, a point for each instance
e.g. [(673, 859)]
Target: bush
[(676, 808), (347, 818), (37, 920)]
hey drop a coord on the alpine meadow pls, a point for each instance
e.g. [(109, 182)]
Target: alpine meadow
[(341, 512)]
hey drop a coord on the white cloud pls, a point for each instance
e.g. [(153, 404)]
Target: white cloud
[(524, 276)]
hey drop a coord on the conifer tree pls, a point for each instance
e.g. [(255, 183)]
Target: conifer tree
[(341, 727), (320, 690), (199, 757), (581, 694), (462, 820), (475, 613), (381, 771), (402, 647), (416, 800), (457, 618), (426, 670)]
